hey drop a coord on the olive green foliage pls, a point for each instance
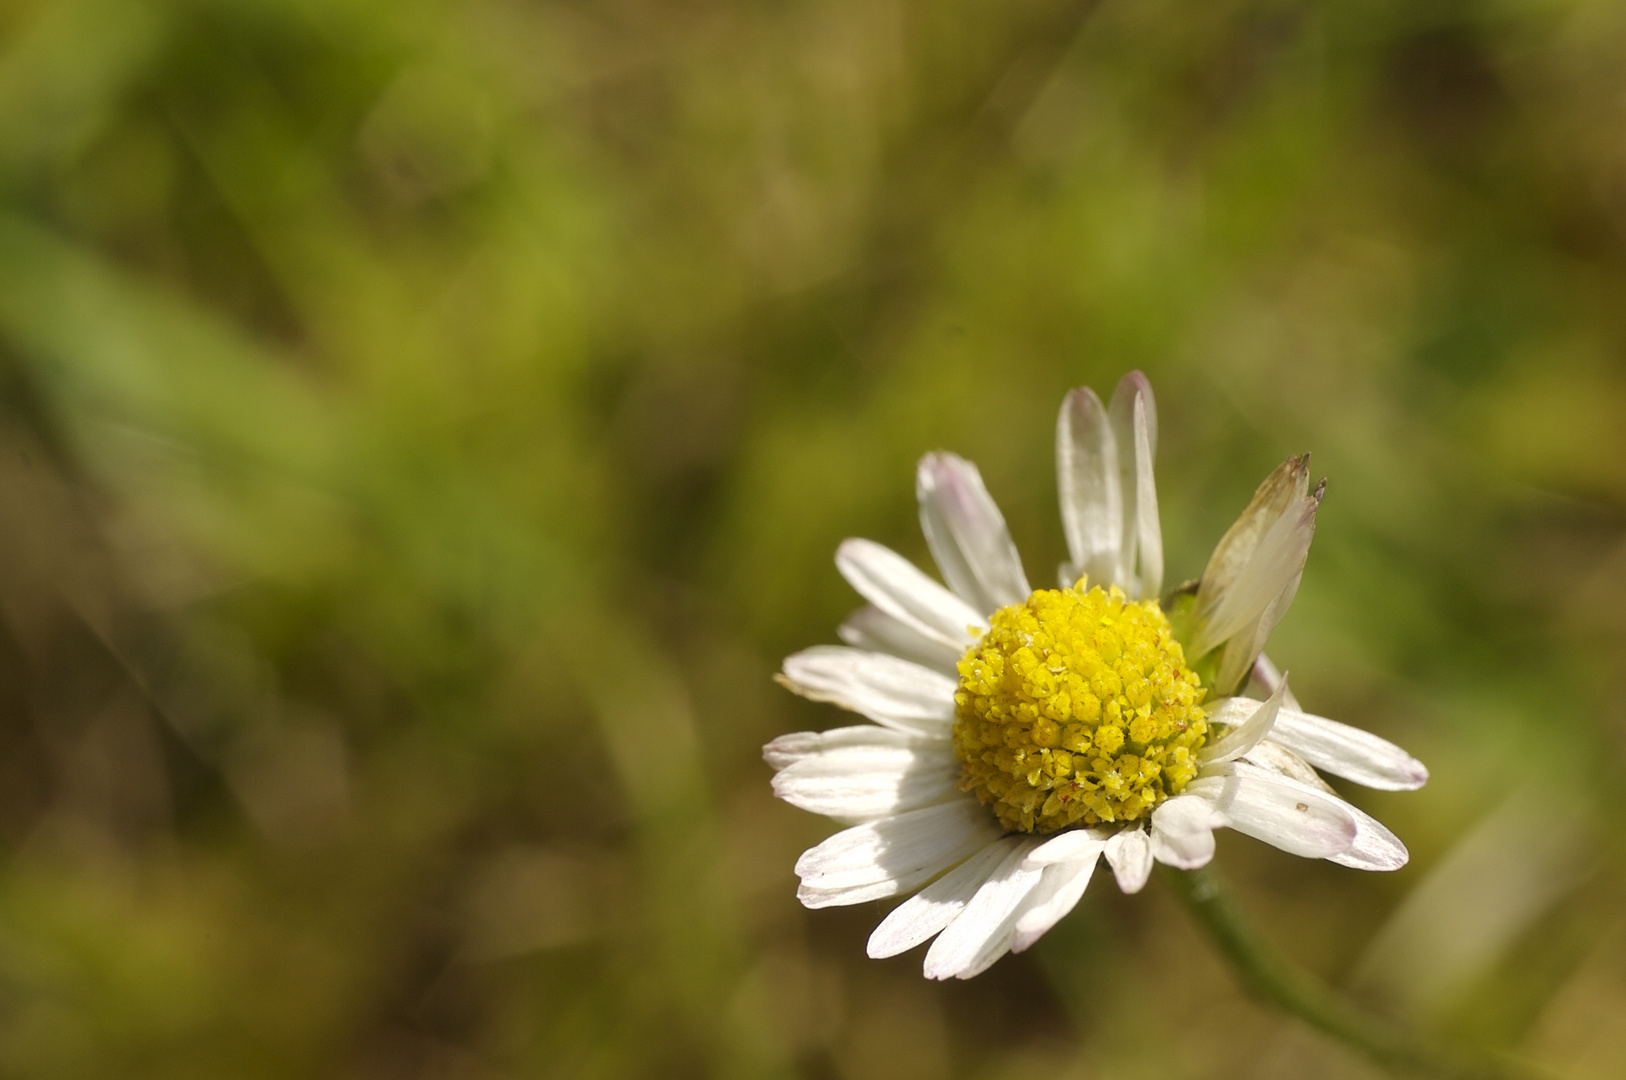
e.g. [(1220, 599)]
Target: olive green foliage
[(425, 425)]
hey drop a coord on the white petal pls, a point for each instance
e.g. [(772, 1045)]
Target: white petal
[(1271, 571), (1087, 484), (1130, 855), (1279, 759), (1375, 847), (1348, 752), (935, 906), (873, 630), (894, 855), (862, 759), (1133, 414), (967, 534), (902, 590), (889, 691), (1183, 831), (1070, 845), (789, 749), (1057, 893), (1132, 394), (862, 783), (981, 933), (1267, 676), (1284, 813), (1249, 722)]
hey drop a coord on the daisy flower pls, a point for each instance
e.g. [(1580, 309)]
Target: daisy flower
[(1021, 736)]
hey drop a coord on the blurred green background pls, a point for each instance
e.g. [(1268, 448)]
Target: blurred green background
[(424, 426)]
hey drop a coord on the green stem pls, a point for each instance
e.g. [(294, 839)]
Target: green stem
[(1272, 976)]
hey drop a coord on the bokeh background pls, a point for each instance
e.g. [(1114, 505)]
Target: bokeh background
[(424, 426)]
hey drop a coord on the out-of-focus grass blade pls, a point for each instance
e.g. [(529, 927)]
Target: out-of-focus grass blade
[(108, 349), (1523, 857)]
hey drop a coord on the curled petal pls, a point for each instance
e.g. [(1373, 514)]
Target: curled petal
[(1244, 647), (1183, 831), (1264, 587), (1256, 564), (1289, 483), (1249, 721), (1129, 853), (1267, 675)]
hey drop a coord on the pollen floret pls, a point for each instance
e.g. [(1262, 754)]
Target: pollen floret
[(1077, 708)]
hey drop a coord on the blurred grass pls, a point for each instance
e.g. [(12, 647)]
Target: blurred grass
[(424, 427)]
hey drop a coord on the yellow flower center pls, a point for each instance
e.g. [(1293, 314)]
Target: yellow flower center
[(1076, 708)]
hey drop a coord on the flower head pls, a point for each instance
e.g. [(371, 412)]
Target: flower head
[(1021, 736)]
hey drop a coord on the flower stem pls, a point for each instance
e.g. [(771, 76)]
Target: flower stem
[(1268, 973)]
